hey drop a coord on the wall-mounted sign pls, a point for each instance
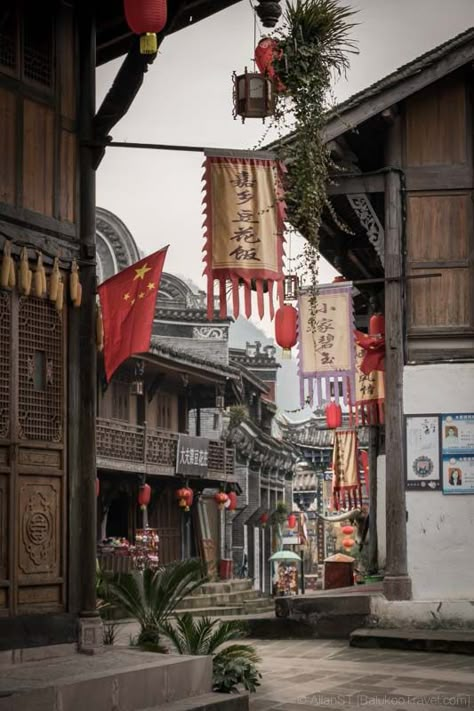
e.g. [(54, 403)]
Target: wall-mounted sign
[(192, 455), (423, 452), (457, 442)]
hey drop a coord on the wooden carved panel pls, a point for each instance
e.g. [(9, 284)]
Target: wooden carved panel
[(40, 399), (7, 146), (436, 121), (5, 341), (3, 527), (39, 527), (40, 458), (38, 158), (438, 227)]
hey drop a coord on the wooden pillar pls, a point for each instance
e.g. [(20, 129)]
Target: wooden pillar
[(373, 541), (90, 636), (397, 584)]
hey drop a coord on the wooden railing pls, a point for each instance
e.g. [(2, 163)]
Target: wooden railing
[(150, 450)]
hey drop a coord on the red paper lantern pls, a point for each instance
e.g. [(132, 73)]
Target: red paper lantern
[(286, 330), (231, 501), (144, 496), (347, 543), (291, 521), (221, 499), (377, 325), (97, 486), (264, 519), (185, 497), (347, 530), (146, 18), (333, 416)]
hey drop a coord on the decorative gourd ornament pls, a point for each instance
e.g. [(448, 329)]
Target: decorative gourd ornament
[(6, 265), (74, 282), (60, 296), (25, 273), (54, 281), (39, 283)]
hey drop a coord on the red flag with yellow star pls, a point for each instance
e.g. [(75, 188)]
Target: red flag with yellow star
[(128, 305)]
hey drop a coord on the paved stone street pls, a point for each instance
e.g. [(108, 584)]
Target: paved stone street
[(304, 675)]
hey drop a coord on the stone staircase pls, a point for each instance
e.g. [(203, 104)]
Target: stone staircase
[(227, 598)]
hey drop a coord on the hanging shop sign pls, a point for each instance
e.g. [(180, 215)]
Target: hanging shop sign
[(457, 447), (326, 344), (422, 450), (192, 456), (244, 222), (369, 391), (346, 483)]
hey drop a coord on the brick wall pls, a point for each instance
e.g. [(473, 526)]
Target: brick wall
[(211, 423)]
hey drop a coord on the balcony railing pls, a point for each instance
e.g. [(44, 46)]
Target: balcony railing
[(142, 449)]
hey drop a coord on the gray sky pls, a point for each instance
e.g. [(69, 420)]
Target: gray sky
[(187, 99)]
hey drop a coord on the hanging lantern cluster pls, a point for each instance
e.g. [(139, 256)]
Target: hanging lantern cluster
[(333, 416), (253, 96), (144, 496), (146, 18), (291, 521), (35, 283), (185, 497), (221, 499), (286, 328)]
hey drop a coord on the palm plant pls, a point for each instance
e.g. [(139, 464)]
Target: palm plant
[(151, 596), (233, 664)]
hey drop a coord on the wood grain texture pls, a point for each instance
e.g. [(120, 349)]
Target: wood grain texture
[(435, 123), (442, 301), (67, 186), (7, 146), (38, 158), (438, 226)]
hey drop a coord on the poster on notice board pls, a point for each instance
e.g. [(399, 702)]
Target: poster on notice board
[(457, 453)]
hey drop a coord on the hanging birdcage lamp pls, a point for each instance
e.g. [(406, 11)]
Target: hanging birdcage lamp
[(253, 96), (290, 287)]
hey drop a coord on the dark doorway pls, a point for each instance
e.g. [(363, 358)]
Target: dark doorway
[(117, 519)]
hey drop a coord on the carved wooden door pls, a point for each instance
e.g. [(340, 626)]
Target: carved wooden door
[(32, 456)]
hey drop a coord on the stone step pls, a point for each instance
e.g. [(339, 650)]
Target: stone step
[(208, 702), (440, 640), (224, 611), (225, 586), (223, 598), (325, 616), (115, 679)]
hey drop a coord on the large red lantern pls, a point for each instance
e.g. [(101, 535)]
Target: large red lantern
[(347, 543), (146, 18), (286, 328), (231, 504), (333, 416), (377, 325), (185, 497), (291, 521), (144, 496), (347, 530), (221, 499)]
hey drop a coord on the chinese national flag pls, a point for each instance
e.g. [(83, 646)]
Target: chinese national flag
[(128, 305)]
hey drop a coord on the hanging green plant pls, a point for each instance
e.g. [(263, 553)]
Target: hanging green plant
[(311, 49)]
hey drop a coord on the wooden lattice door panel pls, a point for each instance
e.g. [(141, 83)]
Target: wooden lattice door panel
[(41, 371), (5, 370)]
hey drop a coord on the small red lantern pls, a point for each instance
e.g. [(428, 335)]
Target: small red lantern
[(377, 325), (291, 521), (347, 530), (264, 519), (144, 496), (348, 543), (231, 504), (221, 499), (286, 329), (146, 18), (333, 416), (185, 497), (97, 486)]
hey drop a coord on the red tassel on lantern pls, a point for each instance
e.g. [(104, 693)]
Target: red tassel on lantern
[(221, 499), (377, 325), (146, 18), (333, 416), (144, 496), (291, 521), (232, 501), (286, 329)]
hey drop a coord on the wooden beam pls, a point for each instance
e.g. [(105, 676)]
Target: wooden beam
[(397, 584), (399, 90), (354, 185), (439, 177)]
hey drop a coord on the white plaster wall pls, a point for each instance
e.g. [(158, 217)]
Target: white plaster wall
[(440, 529), (381, 515)]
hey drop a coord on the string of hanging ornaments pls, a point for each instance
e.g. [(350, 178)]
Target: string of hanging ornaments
[(35, 281)]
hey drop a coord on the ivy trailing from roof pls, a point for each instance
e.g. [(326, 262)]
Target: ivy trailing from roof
[(311, 49)]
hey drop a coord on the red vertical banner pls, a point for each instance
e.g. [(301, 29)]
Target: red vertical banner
[(244, 222)]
